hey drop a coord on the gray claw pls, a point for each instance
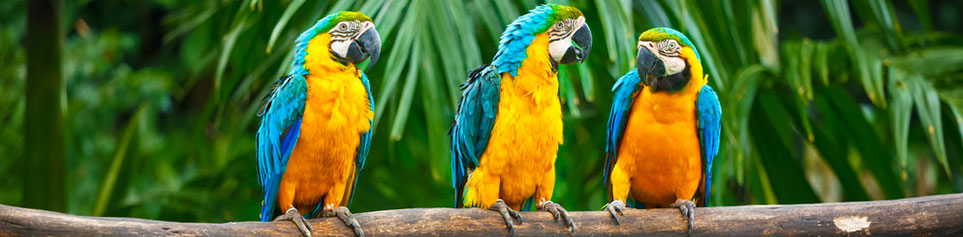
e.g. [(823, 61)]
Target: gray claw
[(507, 213), (560, 214), (345, 215), (293, 215), (688, 211), (616, 206)]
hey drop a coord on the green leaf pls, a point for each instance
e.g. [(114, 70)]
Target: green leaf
[(922, 10), (870, 75), (568, 91), (387, 19), (833, 147), (229, 41), (774, 121), (883, 15), (653, 13), (821, 62), (854, 127), (448, 50), (437, 133), (110, 178), (933, 61), (407, 93), (738, 104), (958, 117), (764, 34), (398, 57), (507, 10), (841, 20), (692, 27), (901, 109), (587, 82), (285, 17), (928, 107), (482, 8)]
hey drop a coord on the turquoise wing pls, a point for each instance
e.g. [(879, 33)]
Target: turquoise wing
[(710, 129), (277, 134), (624, 90), (365, 144), (473, 124)]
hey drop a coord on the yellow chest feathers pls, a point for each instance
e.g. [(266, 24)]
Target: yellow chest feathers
[(529, 121), (336, 96)]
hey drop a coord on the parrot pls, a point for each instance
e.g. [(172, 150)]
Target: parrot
[(663, 129), (508, 123), (316, 121)]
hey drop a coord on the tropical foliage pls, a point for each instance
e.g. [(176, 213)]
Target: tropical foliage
[(823, 101)]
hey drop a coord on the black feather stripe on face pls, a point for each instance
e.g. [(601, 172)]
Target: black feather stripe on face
[(555, 34)]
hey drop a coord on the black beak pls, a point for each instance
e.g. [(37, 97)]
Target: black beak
[(581, 45), (648, 64), (368, 45)]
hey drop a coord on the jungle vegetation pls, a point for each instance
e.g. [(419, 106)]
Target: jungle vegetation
[(823, 101)]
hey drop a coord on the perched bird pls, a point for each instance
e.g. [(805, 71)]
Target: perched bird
[(508, 125), (663, 128), (316, 123)]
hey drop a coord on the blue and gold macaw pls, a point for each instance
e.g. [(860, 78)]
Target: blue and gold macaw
[(316, 124), (509, 121), (663, 129)]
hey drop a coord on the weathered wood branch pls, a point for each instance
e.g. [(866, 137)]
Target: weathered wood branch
[(932, 215)]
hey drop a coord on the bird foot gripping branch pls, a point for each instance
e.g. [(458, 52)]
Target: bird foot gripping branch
[(559, 213), (294, 216), (345, 215), (508, 214), (688, 211)]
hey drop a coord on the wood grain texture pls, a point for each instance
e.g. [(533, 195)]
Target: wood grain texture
[(939, 215)]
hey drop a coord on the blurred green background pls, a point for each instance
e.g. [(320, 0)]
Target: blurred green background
[(823, 101)]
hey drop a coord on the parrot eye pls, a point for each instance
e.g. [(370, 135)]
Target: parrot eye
[(669, 47), (343, 26), (558, 25)]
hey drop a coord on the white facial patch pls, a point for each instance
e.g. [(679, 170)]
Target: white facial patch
[(557, 48), (340, 48), (673, 65)]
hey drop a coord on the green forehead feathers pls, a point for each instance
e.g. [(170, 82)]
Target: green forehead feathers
[(663, 33), (562, 12), (659, 34), (333, 20)]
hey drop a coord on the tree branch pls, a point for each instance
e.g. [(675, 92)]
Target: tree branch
[(932, 215)]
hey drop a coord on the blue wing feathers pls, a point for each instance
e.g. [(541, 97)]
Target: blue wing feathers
[(365, 144), (277, 135), (267, 209), (710, 129), (624, 90), (473, 124)]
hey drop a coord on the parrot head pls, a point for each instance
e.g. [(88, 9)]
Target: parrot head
[(353, 38), (570, 39), (664, 58)]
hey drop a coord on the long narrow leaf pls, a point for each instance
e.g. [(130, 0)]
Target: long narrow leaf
[(928, 107), (110, 178), (285, 17)]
